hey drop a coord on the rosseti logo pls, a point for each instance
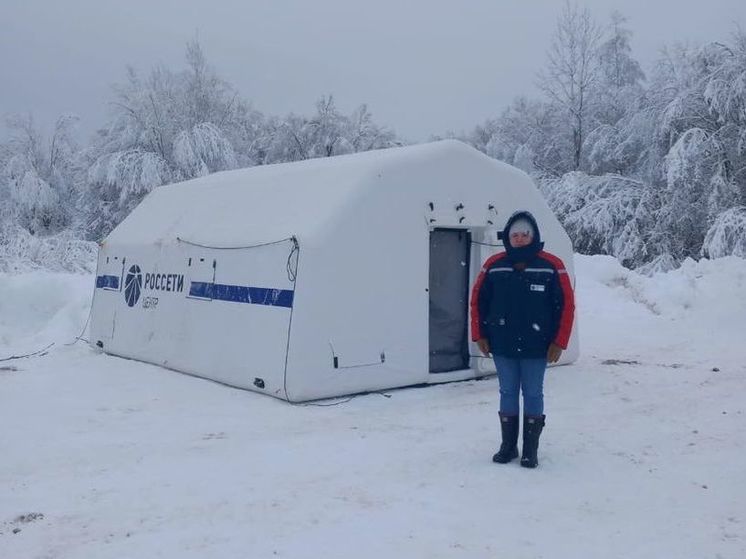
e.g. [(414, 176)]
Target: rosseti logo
[(133, 285)]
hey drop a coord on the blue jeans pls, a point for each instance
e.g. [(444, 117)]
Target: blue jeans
[(521, 374)]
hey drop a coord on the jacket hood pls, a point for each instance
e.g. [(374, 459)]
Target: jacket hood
[(523, 253)]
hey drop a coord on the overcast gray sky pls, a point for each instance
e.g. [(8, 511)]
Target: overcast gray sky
[(422, 66)]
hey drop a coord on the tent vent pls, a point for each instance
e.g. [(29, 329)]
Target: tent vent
[(335, 361), (100, 344), (336, 365), (491, 208), (259, 383)]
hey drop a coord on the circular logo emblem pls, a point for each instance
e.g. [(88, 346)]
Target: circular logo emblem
[(133, 285)]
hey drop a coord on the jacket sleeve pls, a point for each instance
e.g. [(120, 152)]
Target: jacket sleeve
[(480, 303), (563, 303), (480, 298)]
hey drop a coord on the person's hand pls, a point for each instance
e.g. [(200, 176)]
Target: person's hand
[(484, 346), (554, 353)]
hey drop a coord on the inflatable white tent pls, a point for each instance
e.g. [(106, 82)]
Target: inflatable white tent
[(318, 278)]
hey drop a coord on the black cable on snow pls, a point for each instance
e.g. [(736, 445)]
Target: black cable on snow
[(345, 401), (33, 354)]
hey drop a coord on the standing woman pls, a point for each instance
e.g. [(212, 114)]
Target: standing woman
[(522, 313)]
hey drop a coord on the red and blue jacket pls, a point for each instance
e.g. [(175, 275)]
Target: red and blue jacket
[(522, 309)]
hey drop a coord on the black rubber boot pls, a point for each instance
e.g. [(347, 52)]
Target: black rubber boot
[(532, 427), (509, 447)]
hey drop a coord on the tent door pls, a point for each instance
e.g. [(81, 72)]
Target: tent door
[(449, 299)]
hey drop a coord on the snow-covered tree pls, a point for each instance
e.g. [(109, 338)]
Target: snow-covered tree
[(572, 72), (603, 214), (620, 75), (39, 181), (664, 162), (363, 134), (38, 176), (725, 95), (727, 236), (616, 98), (700, 132), (525, 135), (167, 127), (171, 126), (328, 132)]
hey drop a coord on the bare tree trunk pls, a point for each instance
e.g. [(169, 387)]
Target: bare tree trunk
[(572, 70)]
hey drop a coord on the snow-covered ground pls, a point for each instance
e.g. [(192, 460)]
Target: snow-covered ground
[(643, 456)]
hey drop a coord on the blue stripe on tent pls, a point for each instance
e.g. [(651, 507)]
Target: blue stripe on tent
[(242, 294), (107, 282)]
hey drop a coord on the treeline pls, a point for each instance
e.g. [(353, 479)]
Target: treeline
[(650, 169), (165, 127)]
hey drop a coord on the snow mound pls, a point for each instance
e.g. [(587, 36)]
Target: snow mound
[(20, 251), (705, 289), (679, 312), (39, 308)]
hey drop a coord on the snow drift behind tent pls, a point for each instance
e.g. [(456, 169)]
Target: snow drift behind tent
[(317, 278)]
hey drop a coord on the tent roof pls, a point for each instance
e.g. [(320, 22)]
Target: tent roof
[(272, 202)]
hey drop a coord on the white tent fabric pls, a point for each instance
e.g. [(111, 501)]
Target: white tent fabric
[(306, 280)]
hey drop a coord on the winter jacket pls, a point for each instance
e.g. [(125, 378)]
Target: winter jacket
[(521, 312)]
